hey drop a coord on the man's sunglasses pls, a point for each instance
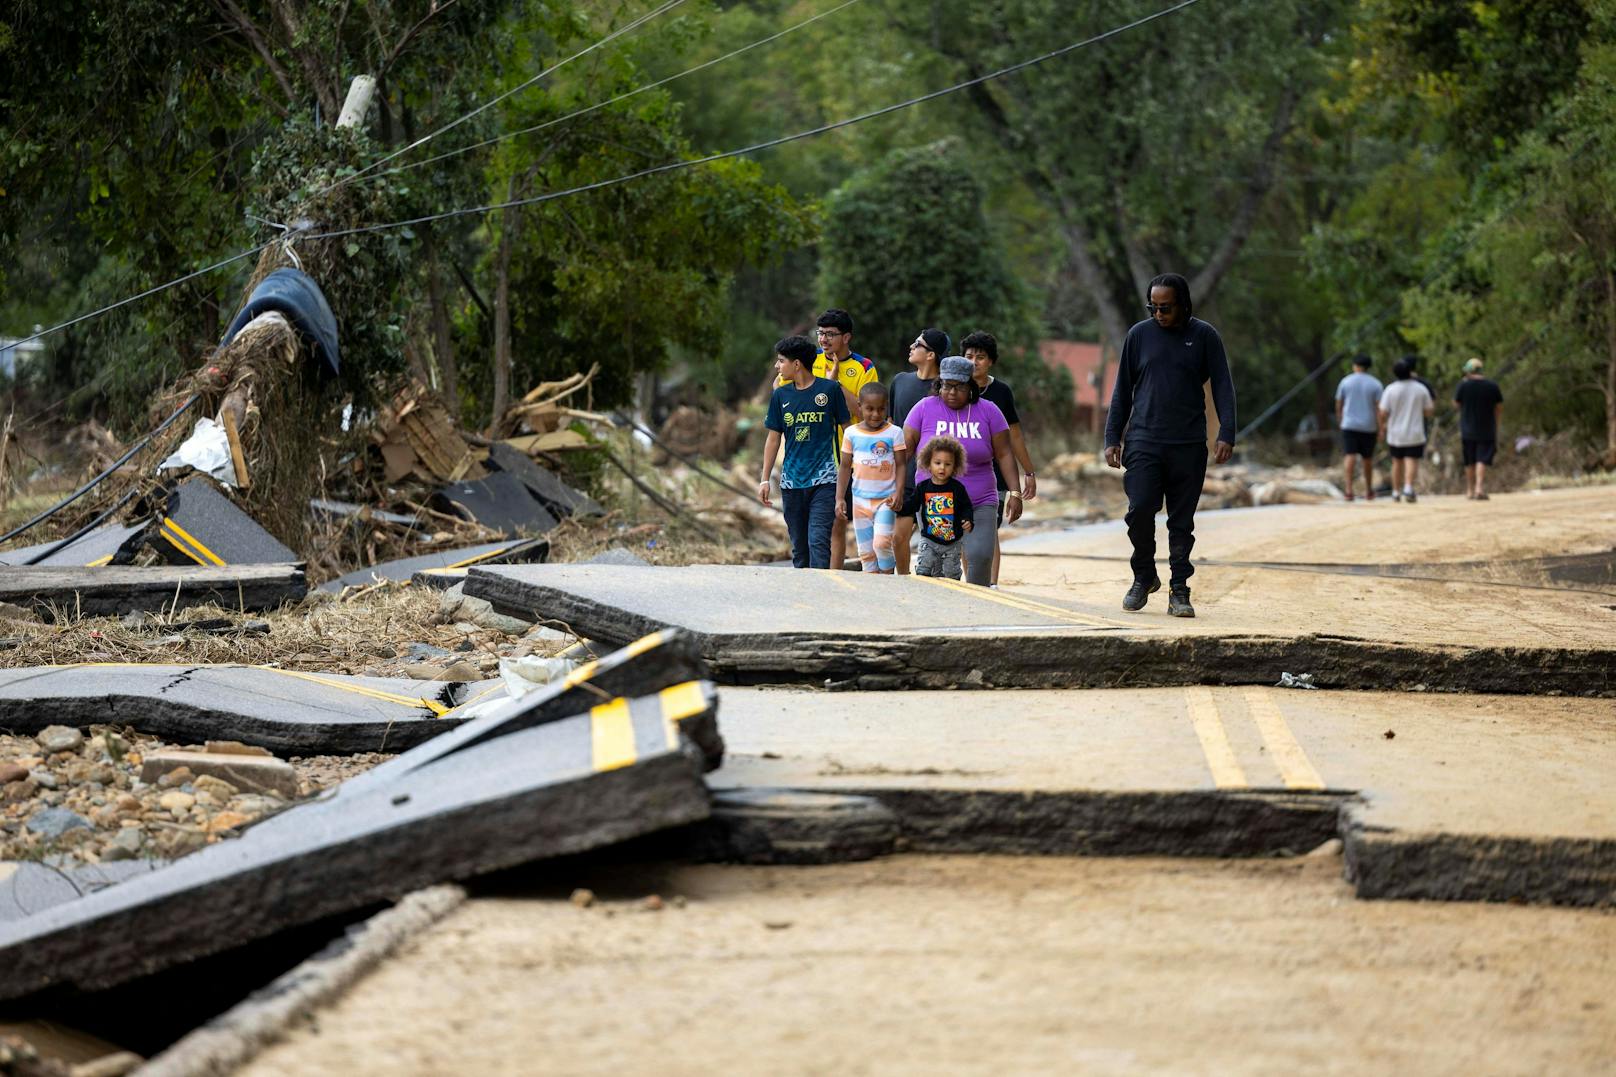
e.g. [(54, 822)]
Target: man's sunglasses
[(1161, 308)]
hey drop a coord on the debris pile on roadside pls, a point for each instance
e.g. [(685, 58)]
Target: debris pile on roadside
[(1227, 486)]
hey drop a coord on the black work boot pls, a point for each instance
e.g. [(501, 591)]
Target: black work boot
[(1178, 601), (1140, 593)]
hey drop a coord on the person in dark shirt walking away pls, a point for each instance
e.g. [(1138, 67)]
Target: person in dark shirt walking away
[(983, 352), (806, 413), (1480, 403), (1157, 431), (1357, 415), (944, 506), (909, 388)]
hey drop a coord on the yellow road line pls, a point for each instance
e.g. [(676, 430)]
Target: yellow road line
[(1226, 772), (1294, 765), (611, 735), (635, 649), (1016, 602), (837, 576), (478, 557), (438, 709), (98, 562), (678, 703), (177, 534)]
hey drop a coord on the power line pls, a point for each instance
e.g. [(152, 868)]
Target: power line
[(631, 25), (674, 166), (620, 97), (93, 483), (486, 105), (148, 292)]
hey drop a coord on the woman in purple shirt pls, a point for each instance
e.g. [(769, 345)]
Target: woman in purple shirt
[(958, 411)]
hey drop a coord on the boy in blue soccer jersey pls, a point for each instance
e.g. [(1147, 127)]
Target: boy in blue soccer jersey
[(806, 413)]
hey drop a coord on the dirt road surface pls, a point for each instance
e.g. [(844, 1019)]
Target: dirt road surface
[(979, 965), (1493, 599)]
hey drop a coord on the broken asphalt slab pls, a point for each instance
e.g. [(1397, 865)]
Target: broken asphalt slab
[(120, 589), (1450, 797), (641, 670), (615, 772), (28, 886), (499, 502), (286, 711), (201, 526), (562, 500), (407, 568), (759, 625), (92, 549)]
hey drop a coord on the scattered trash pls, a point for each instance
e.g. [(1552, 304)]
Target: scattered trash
[(1295, 680), (207, 450)]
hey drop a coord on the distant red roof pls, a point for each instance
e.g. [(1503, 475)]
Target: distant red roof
[(1081, 360)]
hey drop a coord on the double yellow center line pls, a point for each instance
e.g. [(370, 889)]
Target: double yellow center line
[(1295, 769)]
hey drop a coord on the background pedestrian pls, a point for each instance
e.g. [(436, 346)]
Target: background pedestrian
[(1357, 415), (1404, 407), (1480, 403)]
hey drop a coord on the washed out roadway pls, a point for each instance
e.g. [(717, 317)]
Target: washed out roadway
[(1442, 796)]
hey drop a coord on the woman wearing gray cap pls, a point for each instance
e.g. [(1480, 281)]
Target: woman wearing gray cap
[(957, 410)]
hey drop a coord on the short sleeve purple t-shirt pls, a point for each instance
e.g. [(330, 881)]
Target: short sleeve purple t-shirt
[(973, 426)]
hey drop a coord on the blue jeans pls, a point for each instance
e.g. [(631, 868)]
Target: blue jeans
[(809, 514)]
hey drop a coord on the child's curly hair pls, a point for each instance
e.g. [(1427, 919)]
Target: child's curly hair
[(944, 445)]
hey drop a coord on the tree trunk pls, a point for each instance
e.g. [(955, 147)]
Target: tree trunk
[(442, 342), (502, 316), (1610, 370)]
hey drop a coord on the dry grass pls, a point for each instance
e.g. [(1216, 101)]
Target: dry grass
[(323, 633)]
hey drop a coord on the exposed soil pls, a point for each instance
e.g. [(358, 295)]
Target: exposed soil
[(975, 964)]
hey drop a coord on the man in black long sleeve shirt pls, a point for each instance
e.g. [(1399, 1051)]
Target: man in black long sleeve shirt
[(1158, 402)]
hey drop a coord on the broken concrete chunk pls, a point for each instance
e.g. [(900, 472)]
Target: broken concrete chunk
[(246, 773), (202, 526), (620, 770)]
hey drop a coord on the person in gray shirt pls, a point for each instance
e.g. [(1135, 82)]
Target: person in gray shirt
[(908, 389), (1357, 414)]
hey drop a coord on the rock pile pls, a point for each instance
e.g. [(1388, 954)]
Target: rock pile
[(71, 799)]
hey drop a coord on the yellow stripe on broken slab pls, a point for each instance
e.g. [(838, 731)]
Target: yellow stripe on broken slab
[(476, 558), (1294, 766), (1220, 759), (438, 709), (611, 735), (635, 649), (678, 703), (187, 543)]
